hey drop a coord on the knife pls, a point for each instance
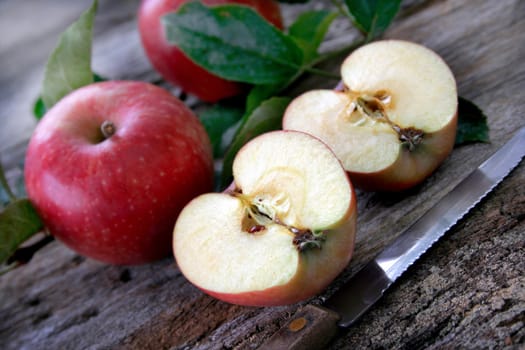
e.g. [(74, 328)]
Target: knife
[(312, 327)]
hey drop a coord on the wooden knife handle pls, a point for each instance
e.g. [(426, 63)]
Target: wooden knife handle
[(312, 327)]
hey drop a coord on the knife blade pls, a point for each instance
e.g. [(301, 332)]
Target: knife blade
[(313, 326)]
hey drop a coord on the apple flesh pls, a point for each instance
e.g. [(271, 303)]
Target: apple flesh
[(174, 65), (111, 165), (283, 233), (393, 123)]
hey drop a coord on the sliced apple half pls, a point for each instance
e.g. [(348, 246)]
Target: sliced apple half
[(282, 232), (393, 123)]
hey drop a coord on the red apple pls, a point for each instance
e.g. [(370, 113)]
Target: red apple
[(171, 62), (282, 232), (394, 122), (111, 165)]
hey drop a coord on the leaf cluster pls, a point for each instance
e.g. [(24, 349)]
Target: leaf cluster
[(236, 43)]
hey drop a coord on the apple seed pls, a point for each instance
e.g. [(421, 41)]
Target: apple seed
[(256, 228), (261, 211), (374, 108)]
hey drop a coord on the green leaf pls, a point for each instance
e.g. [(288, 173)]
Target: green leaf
[(39, 108), (266, 117), (309, 30), (18, 222), (233, 42), (373, 17), (217, 120), (69, 66), (97, 78), (259, 94), (472, 123)]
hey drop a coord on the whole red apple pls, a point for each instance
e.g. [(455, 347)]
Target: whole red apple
[(110, 167), (171, 62)]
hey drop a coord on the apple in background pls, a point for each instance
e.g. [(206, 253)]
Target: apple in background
[(393, 123), (111, 165), (282, 233), (171, 62)]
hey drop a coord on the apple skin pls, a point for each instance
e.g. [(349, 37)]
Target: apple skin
[(116, 200), (317, 269), (419, 163), (174, 65), (411, 167)]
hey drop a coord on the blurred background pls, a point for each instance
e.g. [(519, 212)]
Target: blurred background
[(31, 29)]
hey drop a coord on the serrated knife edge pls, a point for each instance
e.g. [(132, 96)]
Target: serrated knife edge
[(407, 248), (318, 324), (462, 198)]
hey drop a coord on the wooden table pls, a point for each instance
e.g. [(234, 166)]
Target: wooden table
[(468, 291)]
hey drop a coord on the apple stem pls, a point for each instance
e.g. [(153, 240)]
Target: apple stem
[(108, 129), (342, 10), (322, 73)]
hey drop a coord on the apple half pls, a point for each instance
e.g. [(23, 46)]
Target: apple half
[(281, 233), (394, 121)]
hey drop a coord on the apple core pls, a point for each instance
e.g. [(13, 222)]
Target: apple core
[(261, 212), (282, 232), (375, 107)]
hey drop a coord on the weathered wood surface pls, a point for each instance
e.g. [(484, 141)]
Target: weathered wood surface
[(468, 291)]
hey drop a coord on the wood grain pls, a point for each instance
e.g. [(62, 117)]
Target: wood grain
[(466, 292)]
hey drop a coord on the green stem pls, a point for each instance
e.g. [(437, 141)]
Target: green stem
[(5, 185), (335, 53), (371, 33), (322, 73), (321, 58), (341, 9)]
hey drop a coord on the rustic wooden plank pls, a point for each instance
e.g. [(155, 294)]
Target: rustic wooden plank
[(466, 292)]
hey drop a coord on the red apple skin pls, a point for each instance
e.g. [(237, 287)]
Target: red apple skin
[(411, 167), (317, 269), (116, 200), (172, 63)]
